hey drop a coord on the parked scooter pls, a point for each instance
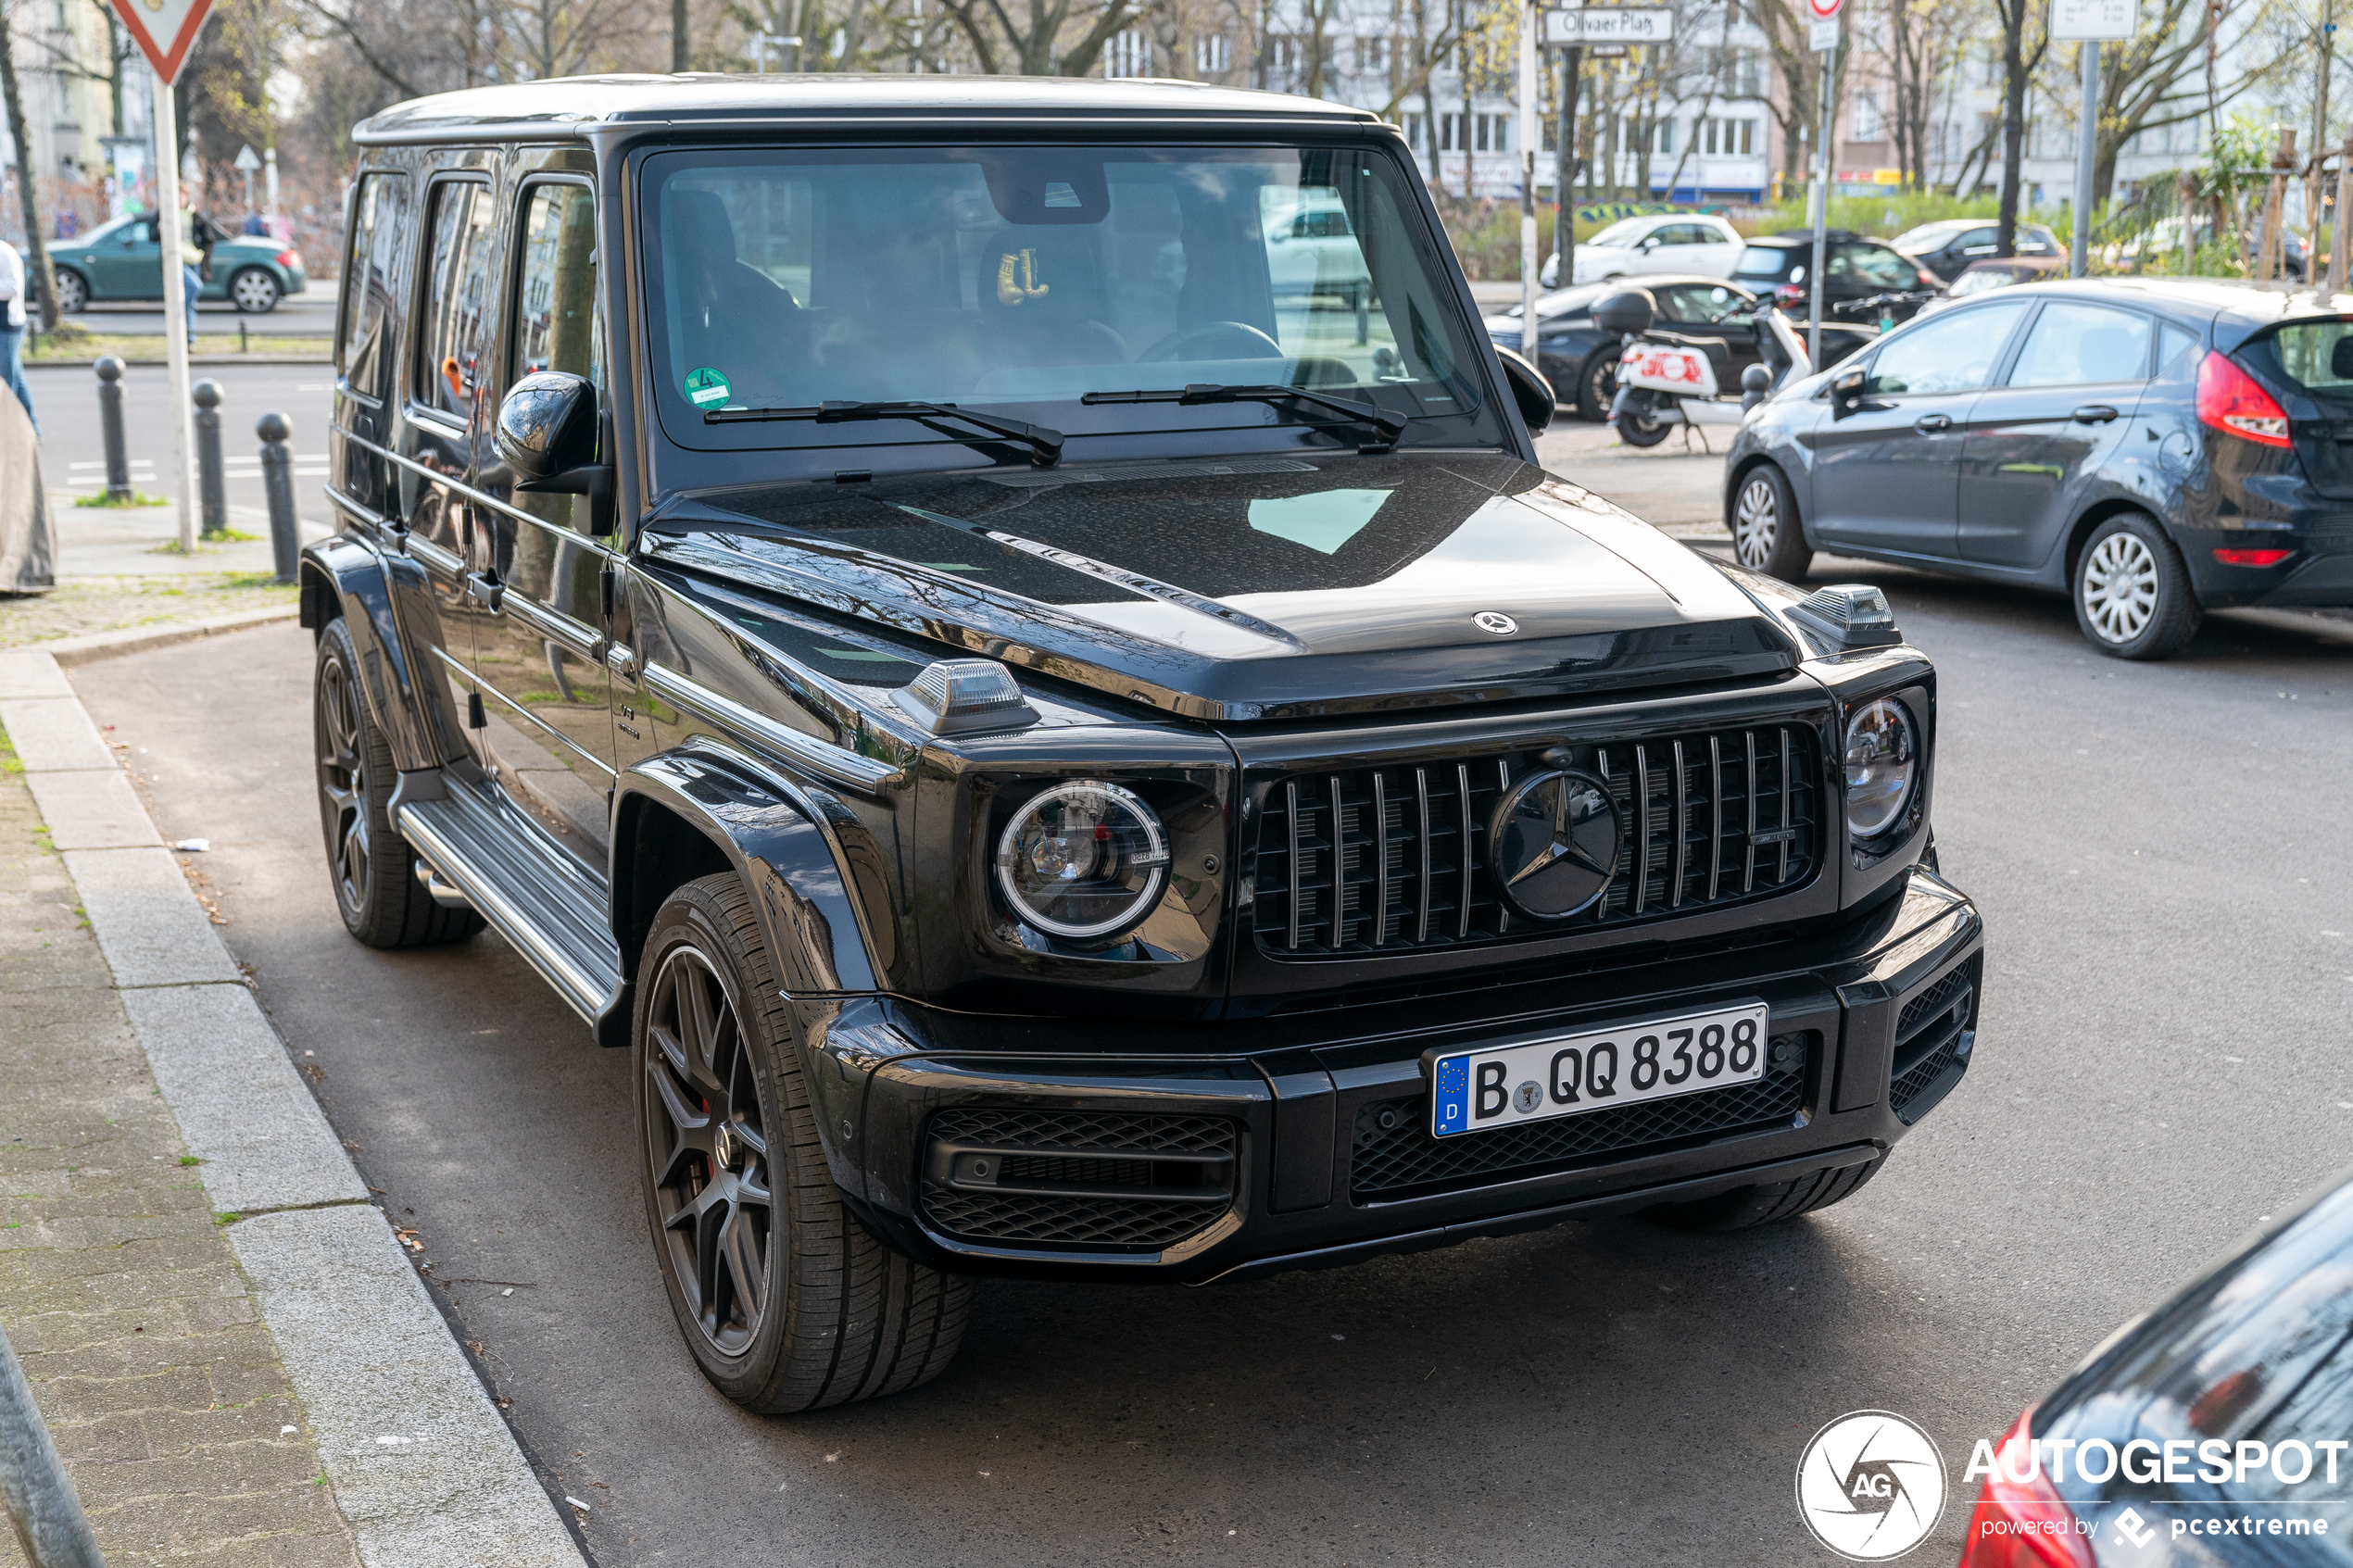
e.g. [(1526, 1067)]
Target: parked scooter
[(1666, 379)]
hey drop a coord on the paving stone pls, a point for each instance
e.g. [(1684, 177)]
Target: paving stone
[(53, 733), (152, 931), (96, 810), (138, 1330)]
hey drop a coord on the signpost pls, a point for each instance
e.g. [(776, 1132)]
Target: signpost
[(1526, 132), (1602, 32), (164, 30), (248, 161), (1822, 33), (2089, 22)]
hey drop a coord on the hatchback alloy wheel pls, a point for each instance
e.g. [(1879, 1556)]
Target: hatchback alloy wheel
[(2119, 587), (1756, 523), (707, 1151), (254, 290), (73, 295)]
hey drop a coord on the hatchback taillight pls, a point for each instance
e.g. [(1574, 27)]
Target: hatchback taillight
[(2228, 400), (289, 258), (2021, 1524)]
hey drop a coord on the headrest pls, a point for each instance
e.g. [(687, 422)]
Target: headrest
[(700, 224)]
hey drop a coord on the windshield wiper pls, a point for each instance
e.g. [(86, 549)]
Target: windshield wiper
[(1045, 446), (1390, 426)]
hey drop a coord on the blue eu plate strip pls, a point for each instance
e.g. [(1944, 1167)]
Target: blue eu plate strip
[(1451, 1099)]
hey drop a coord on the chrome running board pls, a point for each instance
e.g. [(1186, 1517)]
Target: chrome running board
[(541, 899)]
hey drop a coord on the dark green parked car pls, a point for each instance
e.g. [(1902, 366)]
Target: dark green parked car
[(120, 260)]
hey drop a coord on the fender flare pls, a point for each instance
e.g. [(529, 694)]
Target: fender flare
[(386, 600)]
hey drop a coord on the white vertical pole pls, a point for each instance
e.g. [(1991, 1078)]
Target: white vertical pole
[(2087, 146), (1526, 132), (175, 307), (1821, 212), (270, 189)]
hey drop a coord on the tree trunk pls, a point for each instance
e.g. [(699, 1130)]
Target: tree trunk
[(28, 185), (2013, 123)]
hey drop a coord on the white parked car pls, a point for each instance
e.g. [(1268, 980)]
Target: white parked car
[(1663, 241)]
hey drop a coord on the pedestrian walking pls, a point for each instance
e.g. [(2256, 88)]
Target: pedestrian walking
[(194, 252), (12, 320)]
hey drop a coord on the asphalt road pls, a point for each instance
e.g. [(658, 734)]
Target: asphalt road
[(73, 446), (2157, 852)]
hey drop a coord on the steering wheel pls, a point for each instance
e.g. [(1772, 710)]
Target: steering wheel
[(1247, 341)]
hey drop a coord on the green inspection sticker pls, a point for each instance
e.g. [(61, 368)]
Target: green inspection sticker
[(706, 388)]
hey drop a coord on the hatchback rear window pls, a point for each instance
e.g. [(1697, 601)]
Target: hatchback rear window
[(2314, 355), (1763, 261)]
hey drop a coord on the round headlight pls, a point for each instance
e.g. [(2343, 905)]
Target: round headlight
[(1084, 858), (1882, 754)]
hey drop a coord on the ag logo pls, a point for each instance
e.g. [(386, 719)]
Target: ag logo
[(1871, 1486)]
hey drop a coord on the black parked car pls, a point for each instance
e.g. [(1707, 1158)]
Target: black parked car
[(2153, 448), (1858, 268), (1949, 245), (2214, 1428), (1580, 360), (1054, 761)]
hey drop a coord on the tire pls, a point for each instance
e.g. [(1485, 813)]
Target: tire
[(1637, 428), (1742, 1208), (1766, 534), (369, 865), (786, 1301), (73, 295), (2132, 590), (1596, 385), (254, 290)]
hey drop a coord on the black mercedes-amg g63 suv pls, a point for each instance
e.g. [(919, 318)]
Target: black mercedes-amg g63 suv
[(1007, 641)]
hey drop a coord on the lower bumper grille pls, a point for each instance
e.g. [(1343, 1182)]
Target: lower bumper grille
[(1395, 1156), (1077, 1179), (1933, 1037)]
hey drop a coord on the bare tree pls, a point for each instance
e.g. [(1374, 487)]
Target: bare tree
[(1054, 38), (28, 196), (2026, 38)]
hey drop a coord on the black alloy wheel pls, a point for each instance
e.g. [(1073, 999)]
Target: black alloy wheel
[(1597, 385), (370, 864), (1767, 535), (786, 1301)]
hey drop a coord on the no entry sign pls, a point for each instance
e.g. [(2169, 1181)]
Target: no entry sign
[(164, 30)]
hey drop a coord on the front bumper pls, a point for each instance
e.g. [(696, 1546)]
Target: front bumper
[(1323, 1158)]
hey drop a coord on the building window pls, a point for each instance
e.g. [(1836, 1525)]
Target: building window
[(1282, 52), (1372, 57), (1740, 74), (1213, 55), (1129, 54), (1864, 122), (1494, 132), (1730, 138), (1453, 133), (1417, 132)]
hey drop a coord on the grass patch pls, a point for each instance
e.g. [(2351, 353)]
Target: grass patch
[(83, 345), (190, 1159), (135, 499), (111, 604)]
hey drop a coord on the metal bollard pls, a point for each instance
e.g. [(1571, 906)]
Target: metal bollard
[(109, 371), (49, 1522), (206, 396), (277, 480)]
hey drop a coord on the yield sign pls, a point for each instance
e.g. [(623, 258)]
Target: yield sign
[(165, 29), (1823, 10)]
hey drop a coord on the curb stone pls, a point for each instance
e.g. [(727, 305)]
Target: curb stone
[(420, 1462)]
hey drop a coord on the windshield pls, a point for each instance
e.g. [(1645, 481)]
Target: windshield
[(1927, 237), (1625, 232), (1018, 280), (1764, 261)]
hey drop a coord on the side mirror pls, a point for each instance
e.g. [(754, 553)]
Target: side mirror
[(1529, 390), (1756, 384), (546, 431), (1847, 393)]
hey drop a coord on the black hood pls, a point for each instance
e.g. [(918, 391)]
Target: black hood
[(1254, 589)]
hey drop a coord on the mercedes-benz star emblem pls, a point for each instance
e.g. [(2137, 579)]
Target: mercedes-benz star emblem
[(1555, 843), (1495, 621)]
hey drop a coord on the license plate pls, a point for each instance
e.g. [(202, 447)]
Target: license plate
[(1478, 1091)]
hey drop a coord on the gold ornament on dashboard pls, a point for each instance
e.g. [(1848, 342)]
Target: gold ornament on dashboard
[(1017, 278)]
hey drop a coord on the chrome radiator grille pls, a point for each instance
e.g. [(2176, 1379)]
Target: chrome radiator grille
[(1371, 860)]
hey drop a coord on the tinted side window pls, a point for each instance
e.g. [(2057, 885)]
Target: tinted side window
[(1952, 353), (379, 220), (1974, 237), (456, 303), (2176, 348), (1875, 265), (2078, 344), (556, 283)]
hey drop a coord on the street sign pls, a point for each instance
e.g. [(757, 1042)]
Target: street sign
[(1609, 24), (163, 30), (247, 159), (1822, 36), (2088, 20)]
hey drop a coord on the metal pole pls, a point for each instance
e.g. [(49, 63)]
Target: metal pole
[(1821, 212), (1526, 132), (277, 483), (2087, 146), (2344, 218), (205, 395), (109, 371), (175, 307), (270, 189), (49, 1523)]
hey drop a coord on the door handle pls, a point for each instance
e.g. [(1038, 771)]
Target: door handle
[(485, 590), (1931, 424), (2093, 414)]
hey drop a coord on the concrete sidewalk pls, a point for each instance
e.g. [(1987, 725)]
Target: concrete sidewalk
[(237, 1359)]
